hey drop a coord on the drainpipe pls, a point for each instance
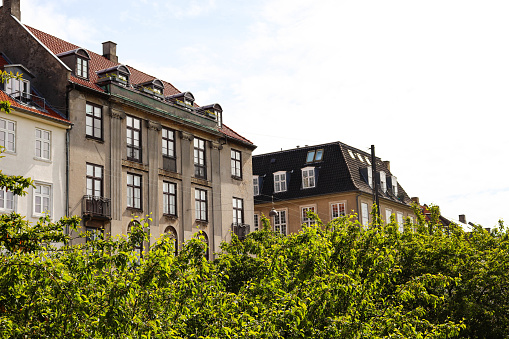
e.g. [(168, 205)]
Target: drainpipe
[(358, 209), (67, 154)]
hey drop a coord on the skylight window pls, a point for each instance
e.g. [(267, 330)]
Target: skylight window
[(351, 154), (314, 155), (360, 157), (367, 160)]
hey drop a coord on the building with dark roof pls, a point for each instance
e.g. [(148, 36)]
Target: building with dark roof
[(331, 180), (138, 145)]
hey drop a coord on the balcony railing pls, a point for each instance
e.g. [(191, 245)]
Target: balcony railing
[(240, 230), (96, 207), (29, 99)]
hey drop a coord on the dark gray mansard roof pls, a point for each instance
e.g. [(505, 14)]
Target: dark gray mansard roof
[(336, 172)]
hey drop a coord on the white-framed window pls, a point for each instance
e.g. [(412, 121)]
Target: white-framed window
[(256, 222), (169, 198), (18, 88), (82, 67), (238, 211), (133, 191), (388, 213), (304, 212), (256, 185), (308, 177), (8, 135), (42, 144), (280, 222), (42, 199), (394, 184), (280, 182), (236, 162), (200, 204), (383, 182), (6, 200), (399, 219), (338, 209), (364, 214), (370, 176), (94, 180)]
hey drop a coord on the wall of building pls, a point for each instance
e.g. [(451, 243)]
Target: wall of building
[(24, 162)]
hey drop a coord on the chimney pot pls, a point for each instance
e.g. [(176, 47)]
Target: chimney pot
[(110, 51), (13, 8)]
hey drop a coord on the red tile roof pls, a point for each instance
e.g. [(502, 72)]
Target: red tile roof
[(98, 63), (15, 104)]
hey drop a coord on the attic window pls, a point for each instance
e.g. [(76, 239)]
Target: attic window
[(78, 60), (314, 155), (119, 74), (81, 67), (360, 157), (183, 99), (153, 87), (367, 160), (213, 111), (18, 89), (351, 154), (383, 182)]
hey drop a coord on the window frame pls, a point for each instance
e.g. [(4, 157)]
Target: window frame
[(388, 214), (304, 217), (6, 133), (168, 143), (91, 116), (314, 155), (306, 181), (42, 196), (400, 221), (238, 212), (6, 196), (280, 182), (169, 197), (278, 224), (337, 205), (201, 205), (131, 131), (236, 163), (131, 200), (256, 185), (93, 179), (82, 67), (42, 142), (200, 163), (364, 214), (256, 221)]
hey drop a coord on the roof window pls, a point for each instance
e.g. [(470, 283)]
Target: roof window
[(213, 111), (314, 155), (367, 160), (119, 74), (19, 88), (392, 182), (183, 99), (351, 154), (77, 60), (360, 157), (153, 87)]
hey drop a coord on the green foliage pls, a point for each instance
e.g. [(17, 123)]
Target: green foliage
[(5, 106)]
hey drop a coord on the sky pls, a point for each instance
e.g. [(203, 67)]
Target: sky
[(426, 82)]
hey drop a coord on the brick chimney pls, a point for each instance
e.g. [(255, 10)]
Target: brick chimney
[(110, 51), (463, 218), (13, 8), (387, 164)]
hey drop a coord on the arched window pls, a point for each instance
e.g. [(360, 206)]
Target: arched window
[(138, 248), (171, 232)]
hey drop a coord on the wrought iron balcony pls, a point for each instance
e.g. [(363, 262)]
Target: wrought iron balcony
[(96, 207), (240, 230)]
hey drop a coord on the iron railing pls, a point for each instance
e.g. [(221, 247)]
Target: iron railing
[(96, 207), (240, 230)]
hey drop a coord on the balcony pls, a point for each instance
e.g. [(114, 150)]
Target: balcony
[(29, 99), (97, 208), (240, 230)]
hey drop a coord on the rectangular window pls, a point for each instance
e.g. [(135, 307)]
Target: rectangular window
[(200, 203), (6, 200), (280, 222), (308, 177), (399, 219), (364, 214), (169, 198), (370, 176), (42, 199), (279, 182), (238, 211), (388, 213), (18, 89), (8, 135), (394, 185), (256, 186), (94, 180), (256, 222), (236, 163), (305, 219), (383, 182), (42, 144), (133, 139), (94, 119), (200, 170), (168, 147), (133, 191), (314, 156), (82, 68), (337, 210)]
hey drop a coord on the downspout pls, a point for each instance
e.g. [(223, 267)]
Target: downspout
[(67, 155), (358, 209)]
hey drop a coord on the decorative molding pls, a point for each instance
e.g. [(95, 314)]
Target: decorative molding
[(186, 136), (169, 174), (154, 125), (216, 145), (116, 113), (201, 182), (135, 165)]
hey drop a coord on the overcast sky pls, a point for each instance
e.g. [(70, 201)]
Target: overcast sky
[(426, 82)]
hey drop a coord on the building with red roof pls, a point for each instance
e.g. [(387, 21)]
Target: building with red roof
[(137, 144)]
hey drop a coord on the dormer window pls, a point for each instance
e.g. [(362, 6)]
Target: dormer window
[(214, 111), (383, 181), (19, 88), (314, 155), (184, 99), (78, 61), (308, 177), (152, 87), (119, 74), (393, 185)]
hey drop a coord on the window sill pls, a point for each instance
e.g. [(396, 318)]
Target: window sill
[(43, 160), (134, 209), (234, 177), (9, 152), (202, 222), (92, 138), (170, 216)]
